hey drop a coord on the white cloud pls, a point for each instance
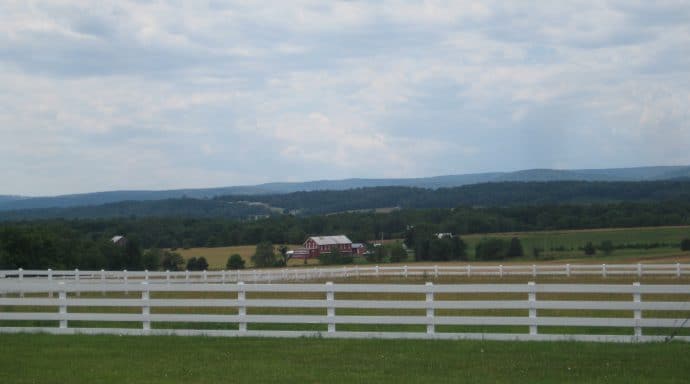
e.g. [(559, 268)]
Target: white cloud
[(131, 94)]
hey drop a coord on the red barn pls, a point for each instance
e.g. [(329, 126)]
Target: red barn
[(316, 245)]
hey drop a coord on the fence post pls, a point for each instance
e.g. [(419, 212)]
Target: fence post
[(222, 277), (254, 276), (376, 271), (567, 270), (532, 298), (50, 279), (62, 297), (205, 274), (469, 270), (103, 281), (405, 271), (500, 270), (430, 327), (146, 275), (677, 269), (330, 309), (357, 271), (186, 274), (20, 272), (603, 270), (167, 276), (145, 307), (76, 278), (436, 271), (242, 308), (637, 313), (534, 270), (639, 269), (124, 274)]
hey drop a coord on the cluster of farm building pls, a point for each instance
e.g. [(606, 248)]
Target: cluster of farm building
[(314, 246)]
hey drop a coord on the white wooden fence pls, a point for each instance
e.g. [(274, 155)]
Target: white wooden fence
[(439, 311), (296, 274)]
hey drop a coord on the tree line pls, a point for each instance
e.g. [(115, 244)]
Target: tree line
[(498, 194), (85, 244)]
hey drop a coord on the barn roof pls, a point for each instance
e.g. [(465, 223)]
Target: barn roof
[(331, 240)]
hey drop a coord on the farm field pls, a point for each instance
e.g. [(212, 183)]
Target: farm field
[(164, 359), (218, 256), (566, 244), (557, 246)]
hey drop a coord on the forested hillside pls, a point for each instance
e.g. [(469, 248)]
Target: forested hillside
[(11, 203), (503, 194), (85, 243)]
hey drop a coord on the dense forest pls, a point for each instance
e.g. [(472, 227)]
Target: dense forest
[(484, 195), (504, 194), (85, 243)]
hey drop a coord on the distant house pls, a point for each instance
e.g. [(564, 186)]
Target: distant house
[(443, 235), (359, 249), (120, 241), (316, 245)]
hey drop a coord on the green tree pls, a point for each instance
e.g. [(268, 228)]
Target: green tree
[(335, 256), (172, 261), (589, 249), (264, 256), (132, 256), (397, 253), (283, 249), (491, 249), (606, 247), (197, 264), (152, 259), (515, 248), (376, 254), (235, 262), (536, 253), (685, 244)]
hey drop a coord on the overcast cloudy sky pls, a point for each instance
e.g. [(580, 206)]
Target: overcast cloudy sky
[(155, 94)]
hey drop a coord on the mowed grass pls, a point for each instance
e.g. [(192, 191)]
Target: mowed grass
[(41, 358)]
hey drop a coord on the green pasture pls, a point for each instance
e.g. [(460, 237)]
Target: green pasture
[(568, 244), (41, 358)]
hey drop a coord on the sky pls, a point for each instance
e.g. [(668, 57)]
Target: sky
[(114, 95)]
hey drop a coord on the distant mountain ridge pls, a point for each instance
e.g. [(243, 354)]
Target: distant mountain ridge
[(97, 198)]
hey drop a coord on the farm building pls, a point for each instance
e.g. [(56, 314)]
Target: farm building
[(358, 249), (119, 240), (316, 245)]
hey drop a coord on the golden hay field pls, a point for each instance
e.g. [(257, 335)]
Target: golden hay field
[(218, 256)]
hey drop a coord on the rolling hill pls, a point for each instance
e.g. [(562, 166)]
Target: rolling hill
[(99, 198)]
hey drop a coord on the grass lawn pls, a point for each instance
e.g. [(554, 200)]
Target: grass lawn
[(164, 359)]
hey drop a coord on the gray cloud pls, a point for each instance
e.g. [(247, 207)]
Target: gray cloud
[(133, 94)]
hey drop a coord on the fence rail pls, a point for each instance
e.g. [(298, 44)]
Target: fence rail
[(448, 311), (297, 274)]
